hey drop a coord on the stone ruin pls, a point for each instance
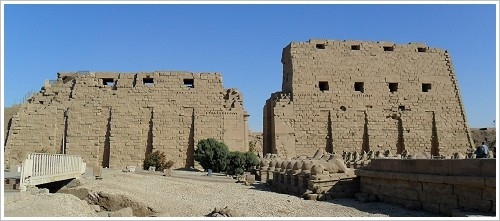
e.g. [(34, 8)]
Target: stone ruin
[(345, 96), (323, 176), (115, 119)]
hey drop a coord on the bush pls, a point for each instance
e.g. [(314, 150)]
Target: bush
[(239, 162), (236, 163), (211, 154), (251, 160), (157, 159)]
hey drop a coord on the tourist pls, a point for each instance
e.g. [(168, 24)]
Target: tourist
[(480, 151), (485, 149)]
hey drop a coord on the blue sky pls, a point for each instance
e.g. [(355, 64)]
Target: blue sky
[(243, 42)]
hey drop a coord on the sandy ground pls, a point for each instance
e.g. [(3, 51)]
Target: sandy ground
[(193, 194)]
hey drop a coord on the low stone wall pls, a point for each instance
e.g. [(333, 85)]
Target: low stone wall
[(316, 187), (432, 185), (321, 177)]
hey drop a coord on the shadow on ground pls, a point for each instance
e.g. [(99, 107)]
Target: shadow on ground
[(393, 210)]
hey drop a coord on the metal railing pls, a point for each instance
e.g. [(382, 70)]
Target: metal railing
[(42, 168)]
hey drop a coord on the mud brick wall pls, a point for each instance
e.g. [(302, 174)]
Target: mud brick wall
[(9, 112), (433, 185), (360, 95), (114, 119)]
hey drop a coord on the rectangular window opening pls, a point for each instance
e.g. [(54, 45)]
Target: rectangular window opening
[(359, 86), (148, 81), (323, 86), (421, 49), (393, 87), (189, 83), (401, 108), (355, 47), (320, 46), (108, 81), (388, 48), (426, 87)]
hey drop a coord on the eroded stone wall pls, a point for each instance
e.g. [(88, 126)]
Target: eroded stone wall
[(365, 96), (114, 119), (438, 186)]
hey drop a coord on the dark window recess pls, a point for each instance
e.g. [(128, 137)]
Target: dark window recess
[(189, 83), (421, 49), (343, 108), (388, 48), (320, 46), (323, 86), (393, 87), (359, 86), (41, 102), (355, 47), (108, 81), (426, 87), (148, 81), (401, 108)]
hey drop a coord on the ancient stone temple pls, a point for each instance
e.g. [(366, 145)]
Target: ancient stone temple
[(365, 96), (115, 119)]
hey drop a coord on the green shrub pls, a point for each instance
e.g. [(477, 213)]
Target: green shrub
[(239, 162), (251, 160), (211, 154), (236, 163), (169, 164), (157, 159)]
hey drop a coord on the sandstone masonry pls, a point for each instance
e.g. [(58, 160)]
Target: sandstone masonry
[(115, 119), (365, 96)]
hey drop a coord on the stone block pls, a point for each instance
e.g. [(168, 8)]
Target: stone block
[(446, 209), (97, 170), (401, 184), (408, 166), (474, 204), (97, 208), (467, 191), (488, 167), (390, 165), (431, 207), (422, 196), (415, 185), (452, 180), (387, 190), (437, 188), (400, 192), (447, 167), (490, 181), (451, 200), (466, 167), (370, 188), (488, 193), (472, 181), (387, 199), (413, 205), (433, 197), (411, 194), (430, 178)]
